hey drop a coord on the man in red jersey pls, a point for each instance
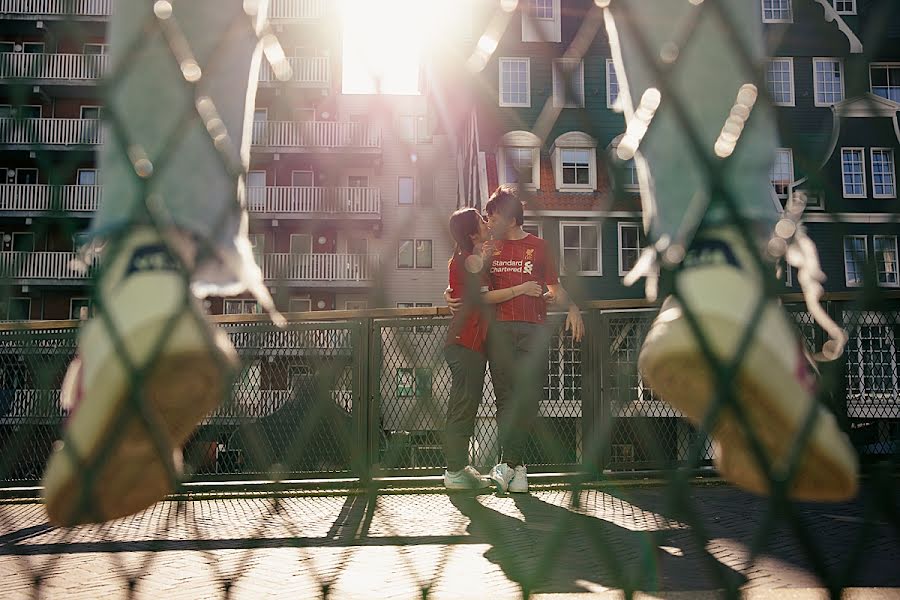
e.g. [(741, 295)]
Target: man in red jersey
[(518, 338)]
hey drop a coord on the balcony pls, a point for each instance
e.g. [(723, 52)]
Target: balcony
[(31, 133), (320, 270), (315, 202), (62, 268), (315, 136), (79, 10), (36, 199), (306, 71), (296, 11), (64, 69)]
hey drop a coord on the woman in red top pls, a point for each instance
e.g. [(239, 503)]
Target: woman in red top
[(464, 350)]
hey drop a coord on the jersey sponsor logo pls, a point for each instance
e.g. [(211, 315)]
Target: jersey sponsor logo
[(529, 267), (529, 254)]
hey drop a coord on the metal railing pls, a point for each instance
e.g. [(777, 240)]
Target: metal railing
[(38, 197), (311, 136), (50, 132), (307, 71), (59, 68), (304, 201), (57, 8), (281, 11), (332, 268), (50, 266)]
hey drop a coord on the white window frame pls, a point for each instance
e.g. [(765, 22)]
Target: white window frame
[(531, 7), (243, 303), (39, 107), (862, 264), (892, 173), (881, 263), (20, 170), (104, 48), (610, 73), (844, 11), (788, 19), (8, 301), (888, 66), (415, 254), (640, 234), (23, 234), (312, 176), (562, 246), (862, 160), (537, 224), (790, 62), (406, 124), (556, 69), (41, 44), (500, 90), (412, 198), (576, 187), (299, 236), (829, 59), (357, 239), (535, 166), (80, 171), (790, 154), (292, 302), (90, 106), (90, 307), (356, 304)]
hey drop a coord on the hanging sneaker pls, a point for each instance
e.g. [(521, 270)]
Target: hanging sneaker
[(722, 286), (467, 478), (121, 447)]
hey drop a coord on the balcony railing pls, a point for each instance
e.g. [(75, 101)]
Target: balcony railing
[(314, 200), (296, 10), (42, 197), (50, 132), (68, 68), (311, 71), (316, 135), (42, 265), (56, 8), (331, 268)]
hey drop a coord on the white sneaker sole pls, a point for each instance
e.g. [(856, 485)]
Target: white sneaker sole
[(774, 402)]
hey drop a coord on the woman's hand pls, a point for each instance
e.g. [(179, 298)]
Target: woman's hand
[(454, 304), (529, 288)]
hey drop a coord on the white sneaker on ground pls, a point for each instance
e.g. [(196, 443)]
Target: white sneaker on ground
[(501, 474), (121, 445), (772, 384), (519, 483), (467, 478)]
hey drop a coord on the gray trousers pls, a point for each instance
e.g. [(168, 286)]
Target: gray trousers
[(466, 390), (519, 371)]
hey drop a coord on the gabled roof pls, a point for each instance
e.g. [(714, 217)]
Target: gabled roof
[(866, 106), (831, 16)]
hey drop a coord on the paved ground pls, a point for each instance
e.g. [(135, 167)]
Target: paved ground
[(439, 546)]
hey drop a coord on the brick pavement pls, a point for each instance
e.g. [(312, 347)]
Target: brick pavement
[(404, 545)]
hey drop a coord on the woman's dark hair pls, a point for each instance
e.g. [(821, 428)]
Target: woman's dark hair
[(463, 223), (505, 201)]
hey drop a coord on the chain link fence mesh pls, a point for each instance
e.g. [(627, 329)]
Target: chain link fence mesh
[(362, 396)]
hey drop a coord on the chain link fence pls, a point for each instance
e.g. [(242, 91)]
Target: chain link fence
[(360, 397)]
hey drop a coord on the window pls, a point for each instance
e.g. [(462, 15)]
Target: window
[(242, 307), (304, 115), (568, 83), (96, 48), (518, 165), (257, 245), (630, 181), (423, 130), (87, 176), (581, 248), (81, 308), (22, 175), (80, 240), (883, 180), (576, 167), (853, 172), (299, 305), (28, 111), (33, 47), (612, 84), (777, 11), (782, 173), (90, 112), (541, 9), (780, 81), (533, 228), (515, 82), (872, 362), (405, 190), (357, 245), (302, 179), (7, 47), (414, 254), (356, 305), (631, 240), (406, 124), (16, 309), (23, 241), (358, 181), (828, 74), (884, 80), (885, 247), (844, 7), (854, 259), (301, 243)]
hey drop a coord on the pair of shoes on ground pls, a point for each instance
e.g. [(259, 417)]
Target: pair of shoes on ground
[(510, 479), (773, 384), (147, 372), (467, 478)]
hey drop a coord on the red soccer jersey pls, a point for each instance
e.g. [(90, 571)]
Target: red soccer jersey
[(468, 327), (517, 261)]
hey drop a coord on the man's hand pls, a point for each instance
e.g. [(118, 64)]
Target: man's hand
[(549, 296), (529, 288), (454, 304), (575, 323)]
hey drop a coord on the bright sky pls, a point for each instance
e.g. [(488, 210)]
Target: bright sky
[(383, 40)]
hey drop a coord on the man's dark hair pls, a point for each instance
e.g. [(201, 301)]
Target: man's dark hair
[(505, 201)]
